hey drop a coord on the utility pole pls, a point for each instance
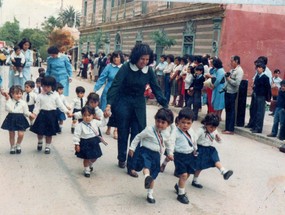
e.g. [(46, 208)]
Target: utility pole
[(61, 6)]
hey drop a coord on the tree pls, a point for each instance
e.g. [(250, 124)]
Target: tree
[(49, 24), (36, 36), (67, 17), (10, 32)]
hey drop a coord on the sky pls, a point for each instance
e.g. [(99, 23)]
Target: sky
[(31, 13)]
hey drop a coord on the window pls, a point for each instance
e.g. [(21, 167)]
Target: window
[(118, 42), (188, 44), (104, 10), (94, 6), (121, 2), (169, 4), (127, 1), (85, 8)]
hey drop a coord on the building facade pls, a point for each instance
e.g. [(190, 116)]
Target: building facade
[(123, 23)]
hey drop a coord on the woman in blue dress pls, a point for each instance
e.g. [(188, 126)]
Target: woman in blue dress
[(108, 76), (25, 46), (218, 96), (59, 67)]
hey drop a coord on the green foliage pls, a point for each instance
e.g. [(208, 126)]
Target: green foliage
[(36, 36), (67, 16), (49, 24), (10, 32), (161, 39)]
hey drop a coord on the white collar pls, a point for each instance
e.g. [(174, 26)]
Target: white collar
[(114, 65), (135, 68)]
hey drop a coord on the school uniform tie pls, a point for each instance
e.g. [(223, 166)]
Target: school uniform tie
[(40, 90), (159, 139), (81, 102), (28, 97)]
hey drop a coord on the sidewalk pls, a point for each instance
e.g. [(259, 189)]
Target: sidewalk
[(262, 138)]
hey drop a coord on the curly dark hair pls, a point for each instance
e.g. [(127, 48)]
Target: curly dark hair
[(186, 113), (217, 63), (165, 114), (140, 50), (211, 119)]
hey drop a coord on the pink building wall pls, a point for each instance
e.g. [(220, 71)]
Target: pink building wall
[(252, 31)]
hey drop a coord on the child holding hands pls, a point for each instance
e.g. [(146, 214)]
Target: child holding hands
[(153, 140)]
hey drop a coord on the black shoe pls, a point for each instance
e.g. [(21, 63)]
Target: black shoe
[(147, 182), (87, 174), (197, 185), (47, 150), (183, 199), (248, 126), (59, 132), (150, 200), (271, 135), (18, 151), (40, 147), (176, 188), (122, 164), (228, 174), (12, 151), (72, 130), (133, 173), (91, 168)]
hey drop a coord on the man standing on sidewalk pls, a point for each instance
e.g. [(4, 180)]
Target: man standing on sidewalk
[(233, 79)]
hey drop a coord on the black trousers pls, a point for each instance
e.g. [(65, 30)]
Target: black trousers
[(230, 101), (259, 111)]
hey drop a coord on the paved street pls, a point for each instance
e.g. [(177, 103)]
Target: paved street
[(37, 184)]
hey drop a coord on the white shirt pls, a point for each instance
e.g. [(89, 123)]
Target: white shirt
[(149, 138), (205, 139), (33, 97), (188, 80), (168, 69), (20, 106), (85, 132), (49, 102), (37, 91), (182, 144), (76, 102), (63, 99), (276, 81), (21, 55)]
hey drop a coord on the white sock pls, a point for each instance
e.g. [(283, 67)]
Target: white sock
[(13, 146), (18, 146), (181, 191), (164, 162), (195, 179), (48, 145), (147, 174), (149, 193), (60, 126), (223, 170), (40, 142), (87, 169)]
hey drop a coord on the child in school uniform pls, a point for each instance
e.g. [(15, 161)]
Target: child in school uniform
[(77, 104), (195, 90), (153, 141), (61, 115), (41, 72), (29, 95), (87, 138), (184, 152), (46, 123), (38, 87), (16, 118), (208, 156)]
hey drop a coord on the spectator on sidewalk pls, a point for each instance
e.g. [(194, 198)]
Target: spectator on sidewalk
[(279, 113), (167, 70), (233, 79), (159, 71), (276, 80)]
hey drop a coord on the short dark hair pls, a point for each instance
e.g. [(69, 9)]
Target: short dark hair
[(217, 63), (184, 60), (164, 114), (17, 48), (88, 109), (186, 113), (171, 57), (211, 119), (178, 58), (31, 84), (93, 97), (39, 80), (49, 81), (200, 68), (40, 70), (263, 59), (79, 89), (205, 61), (15, 89), (277, 71), (117, 54), (236, 59), (23, 41), (163, 56), (282, 82), (53, 50), (198, 58), (260, 64), (140, 50), (59, 86)]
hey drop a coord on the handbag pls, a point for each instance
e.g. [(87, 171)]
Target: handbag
[(272, 106), (274, 91)]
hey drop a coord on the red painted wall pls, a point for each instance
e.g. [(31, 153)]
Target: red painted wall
[(252, 34)]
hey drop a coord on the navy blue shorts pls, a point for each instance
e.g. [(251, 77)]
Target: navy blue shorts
[(184, 163), (207, 157)]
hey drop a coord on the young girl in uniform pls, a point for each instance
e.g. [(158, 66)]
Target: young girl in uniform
[(153, 140), (208, 157), (184, 152), (61, 115), (87, 138), (46, 123), (16, 118)]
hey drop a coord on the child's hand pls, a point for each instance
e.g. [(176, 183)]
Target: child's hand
[(107, 114), (96, 117), (218, 138), (170, 157), (13, 60), (131, 153), (6, 95), (32, 116), (69, 114), (68, 108), (77, 148)]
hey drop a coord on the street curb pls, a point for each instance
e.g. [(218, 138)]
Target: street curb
[(262, 138)]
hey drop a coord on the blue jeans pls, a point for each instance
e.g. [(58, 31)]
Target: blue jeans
[(230, 101), (276, 121), (282, 124)]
